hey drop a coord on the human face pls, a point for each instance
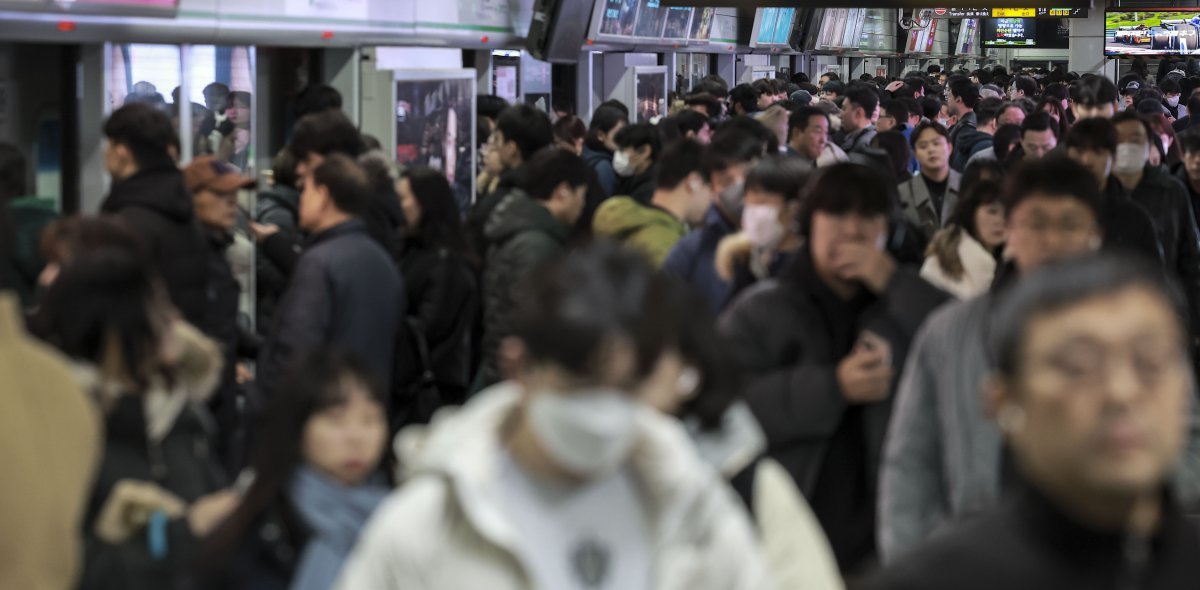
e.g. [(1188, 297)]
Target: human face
[(812, 139), (1132, 132), (1104, 387), (933, 151), (507, 151), (119, 160), (1044, 228), (239, 113), (491, 160), (1098, 162), (609, 139), (701, 196), (885, 122), (953, 104), (1191, 162), (704, 135), (1038, 143), (1012, 116), (667, 387), (765, 100), (409, 204), (346, 441), (314, 201), (305, 167), (829, 233), (216, 209), (566, 204), (723, 179), (989, 223), (1103, 111)]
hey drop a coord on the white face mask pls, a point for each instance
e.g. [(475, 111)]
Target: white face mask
[(1173, 101), (588, 433), (943, 122), (762, 226), (1131, 158), (621, 164)]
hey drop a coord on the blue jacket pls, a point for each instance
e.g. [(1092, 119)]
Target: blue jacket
[(601, 162), (693, 259)]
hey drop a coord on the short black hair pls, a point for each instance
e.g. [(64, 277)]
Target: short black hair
[(1189, 141), (1096, 91), (924, 126), (1064, 284), (605, 119), (965, 89), (834, 87), (730, 147), (490, 106), (934, 69), (988, 110), (146, 131), (802, 116), (1127, 116), (1038, 122), (316, 98), (1005, 138), (283, 169), (1027, 85), (348, 185), (833, 76), (639, 136), (710, 103), (1056, 175), (931, 107), (569, 129), (1193, 102), (616, 104), (527, 127), (551, 167), (746, 96), (714, 85), (1057, 91), (778, 175), (846, 188), (1094, 134), (1170, 86), (911, 104), (690, 121), (14, 173), (679, 160), (326, 132), (895, 109), (861, 96)]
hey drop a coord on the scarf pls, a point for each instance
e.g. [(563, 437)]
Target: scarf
[(336, 514)]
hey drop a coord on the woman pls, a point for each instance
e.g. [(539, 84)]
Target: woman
[(569, 134), (899, 154), (1055, 108), (1167, 150), (775, 118), (158, 487), (961, 259), (442, 296), (317, 479), (601, 144)]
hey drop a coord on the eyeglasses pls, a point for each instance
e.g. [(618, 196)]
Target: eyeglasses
[(1087, 366), (1067, 227)]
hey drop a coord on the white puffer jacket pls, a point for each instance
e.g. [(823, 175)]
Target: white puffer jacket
[(446, 528)]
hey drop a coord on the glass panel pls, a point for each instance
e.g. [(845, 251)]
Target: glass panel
[(221, 82), (145, 73)]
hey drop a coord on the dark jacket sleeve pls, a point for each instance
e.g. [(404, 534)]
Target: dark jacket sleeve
[(1188, 267), (607, 177), (910, 299), (283, 250), (301, 324)]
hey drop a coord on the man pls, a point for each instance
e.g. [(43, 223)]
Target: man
[(148, 194), (681, 199), (1167, 201), (1171, 96), (345, 291), (893, 115), (1011, 113), (1038, 136), (705, 104), (694, 125), (1128, 226), (808, 136), (1092, 389), (971, 142), (961, 98), (1128, 93), (831, 92), (724, 163), (828, 77), (743, 99), (29, 215), (1095, 96), (1023, 87), (558, 478), (1189, 173), (1187, 123), (635, 161), (859, 112), (929, 198), (816, 350), (520, 132), (527, 230)]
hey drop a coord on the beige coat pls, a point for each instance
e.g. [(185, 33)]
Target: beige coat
[(446, 529), (49, 445), (979, 267)]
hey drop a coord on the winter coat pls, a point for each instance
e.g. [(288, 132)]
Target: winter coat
[(640, 187), (222, 318), (970, 142), (524, 236), (49, 444), (649, 229), (693, 259), (1127, 224), (279, 206), (447, 527), (859, 140), (600, 160), (159, 210), (481, 214), (917, 203), (1168, 203), (969, 121), (162, 436), (345, 293), (266, 558), (942, 459), (979, 266), (19, 272)]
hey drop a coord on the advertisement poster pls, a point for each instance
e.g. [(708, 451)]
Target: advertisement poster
[(651, 96), (678, 19), (434, 127), (652, 19), (506, 83), (702, 23)]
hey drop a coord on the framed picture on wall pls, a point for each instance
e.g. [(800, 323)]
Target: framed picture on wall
[(650, 94), (435, 125)]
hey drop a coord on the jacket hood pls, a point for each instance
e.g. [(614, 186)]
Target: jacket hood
[(158, 189), (968, 140), (518, 213), (624, 216)]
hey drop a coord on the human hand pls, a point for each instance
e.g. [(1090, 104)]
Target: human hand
[(731, 251), (263, 231), (208, 512), (865, 376), (866, 264), (894, 86), (129, 506)]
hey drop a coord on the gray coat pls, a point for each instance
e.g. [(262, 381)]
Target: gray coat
[(917, 203), (942, 455)]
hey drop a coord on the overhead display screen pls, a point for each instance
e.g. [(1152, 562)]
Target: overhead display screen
[(650, 21), (841, 28), (1010, 32), (968, 37), (773, 26), (1152, 32)]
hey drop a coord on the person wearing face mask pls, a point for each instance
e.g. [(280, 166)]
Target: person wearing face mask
[(600, 146), (961, 259), (819, 349), (725, 163), (1171, 99), (681, 198), (1167, 201), (928, 198), (560, 478), (638, 148)]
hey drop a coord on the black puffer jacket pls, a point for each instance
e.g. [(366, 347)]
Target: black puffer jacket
[(279, 206), (157, 207), (1166, 199), (970, 141), (640, 187), (524, 236), (481, 213)]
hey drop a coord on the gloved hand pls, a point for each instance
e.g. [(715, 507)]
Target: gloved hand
[(129, 507)]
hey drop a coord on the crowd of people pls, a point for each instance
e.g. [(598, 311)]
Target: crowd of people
[(938, 331)]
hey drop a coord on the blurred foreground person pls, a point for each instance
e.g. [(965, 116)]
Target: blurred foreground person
[(1092, 392), (561, 479)]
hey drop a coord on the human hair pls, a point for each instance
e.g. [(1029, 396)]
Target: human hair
[(326, 132), (526, 127), (1128, 116), (778, 175), (1160, 126), (944, 246), (710, 103), (14, 171), (896, 109), (694, 337), (640, 135), (966, 90), (802, 116), (834, 87), (146, 131), (746, 96), (1170, 86), (215, 89), (349, 187), (616, 104), (317, 98), (833, 76), (569, 130), (984, 170), (729, 148), (441, 224), (846, 188), (1056, 91), (1189, 141), (924, 126), (988, 110), (680, 159), (1064, 284), (569, 313), (768, 142), (1056, 110), (714, 85), (689, 121), (1055, 176), (490, 106), (283, 168), (1039, 122), (863, 97), (1094, 135), (1027, 85), (551, 167), (1003, 142), (320, 381), (1096, 91), (931, 107), (604, 120)]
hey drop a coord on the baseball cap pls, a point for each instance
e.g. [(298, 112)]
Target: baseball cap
[(207, 172), (802, 97), (1132, 87)]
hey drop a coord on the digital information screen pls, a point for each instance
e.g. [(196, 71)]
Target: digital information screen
[(1152, 32), (775, 26), (1010, 32)]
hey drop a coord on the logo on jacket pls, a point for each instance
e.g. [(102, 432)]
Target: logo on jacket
[(591, 561)]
